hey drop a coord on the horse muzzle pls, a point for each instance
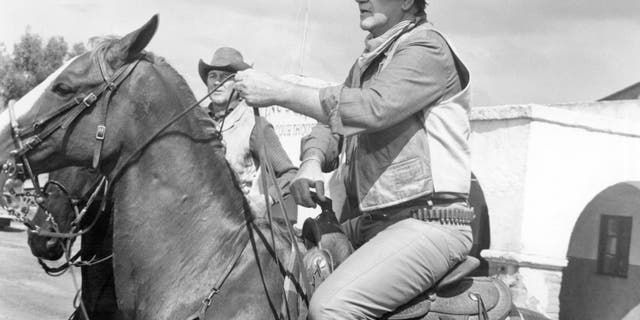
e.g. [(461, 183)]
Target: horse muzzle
[(45, 247)]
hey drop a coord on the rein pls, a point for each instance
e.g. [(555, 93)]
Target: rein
[(268, 175)]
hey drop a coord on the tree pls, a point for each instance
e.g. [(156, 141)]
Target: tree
[(53, 56), (77, 49), (5, 62), (31, 62)]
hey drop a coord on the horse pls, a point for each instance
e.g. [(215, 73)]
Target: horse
[(179, 217), (98, 291), (65, 187), (184, 239)]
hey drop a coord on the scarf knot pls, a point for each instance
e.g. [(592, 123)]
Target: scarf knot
[(375, 46)]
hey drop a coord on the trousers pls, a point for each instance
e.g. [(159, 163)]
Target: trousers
[(395, 261)]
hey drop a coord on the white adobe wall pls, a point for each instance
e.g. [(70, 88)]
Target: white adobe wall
[(569, 166), (499, 151), (621, 199), (539, 166)]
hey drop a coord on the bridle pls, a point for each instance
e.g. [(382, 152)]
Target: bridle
[(63, 117), (86, 201), (76, 225), (27, 139)]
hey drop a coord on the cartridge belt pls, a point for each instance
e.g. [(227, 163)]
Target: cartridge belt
[(451, 214)]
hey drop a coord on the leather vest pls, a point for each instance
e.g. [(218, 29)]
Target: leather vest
[(236, 135), (425, 154)]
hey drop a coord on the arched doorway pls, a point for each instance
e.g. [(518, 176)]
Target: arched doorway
[(480, 226), (603, 271)]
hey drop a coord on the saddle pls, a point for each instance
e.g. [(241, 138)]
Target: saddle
[(459, 297), (454, 297)]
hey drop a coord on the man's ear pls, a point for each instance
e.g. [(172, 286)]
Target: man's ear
[(407, 4), (130, 46)]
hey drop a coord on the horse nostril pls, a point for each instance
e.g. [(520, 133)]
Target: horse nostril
[(52, 243)]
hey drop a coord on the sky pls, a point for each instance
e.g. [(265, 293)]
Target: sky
[(519, 51)]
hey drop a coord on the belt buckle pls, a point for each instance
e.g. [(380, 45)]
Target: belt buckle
[(100, 132), (89, 100)]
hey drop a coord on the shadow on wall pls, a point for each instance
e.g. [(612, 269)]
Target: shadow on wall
[(480, 226), (607, 289)]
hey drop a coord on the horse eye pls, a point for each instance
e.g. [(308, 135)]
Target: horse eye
[(62, 89)]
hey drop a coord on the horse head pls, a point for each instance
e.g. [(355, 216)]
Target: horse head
[(65, 193), (173, 192), (58, 123)]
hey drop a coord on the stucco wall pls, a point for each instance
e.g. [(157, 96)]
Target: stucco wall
[(622, 199), (501, 176), (541, 165), (586, 294), (566, 168)]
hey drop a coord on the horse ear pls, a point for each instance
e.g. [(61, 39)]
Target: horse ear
[(130, 46)]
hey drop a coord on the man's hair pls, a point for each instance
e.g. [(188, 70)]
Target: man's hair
[(421, 5)]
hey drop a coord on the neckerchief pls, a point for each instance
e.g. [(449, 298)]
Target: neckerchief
[(218, 116), (375, 46)]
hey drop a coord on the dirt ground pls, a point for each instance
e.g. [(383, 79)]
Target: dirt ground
[(26, 292)]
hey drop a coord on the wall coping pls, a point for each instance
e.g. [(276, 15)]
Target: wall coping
[(524, 260), (558, 116)]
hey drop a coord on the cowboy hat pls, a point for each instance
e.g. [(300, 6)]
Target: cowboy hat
[(225, 59)]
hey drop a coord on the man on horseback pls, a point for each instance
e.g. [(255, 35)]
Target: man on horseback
[(402, 114), (242, 133)]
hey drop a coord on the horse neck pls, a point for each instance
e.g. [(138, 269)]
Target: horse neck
[(182, 175), (177, 214), (184, 181)]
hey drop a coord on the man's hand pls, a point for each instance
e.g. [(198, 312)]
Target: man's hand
[(260, 89), (309, 176)]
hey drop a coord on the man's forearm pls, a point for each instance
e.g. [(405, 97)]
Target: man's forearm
[(302, 99)]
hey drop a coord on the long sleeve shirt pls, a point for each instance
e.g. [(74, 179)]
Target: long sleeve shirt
[(283, 168)]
